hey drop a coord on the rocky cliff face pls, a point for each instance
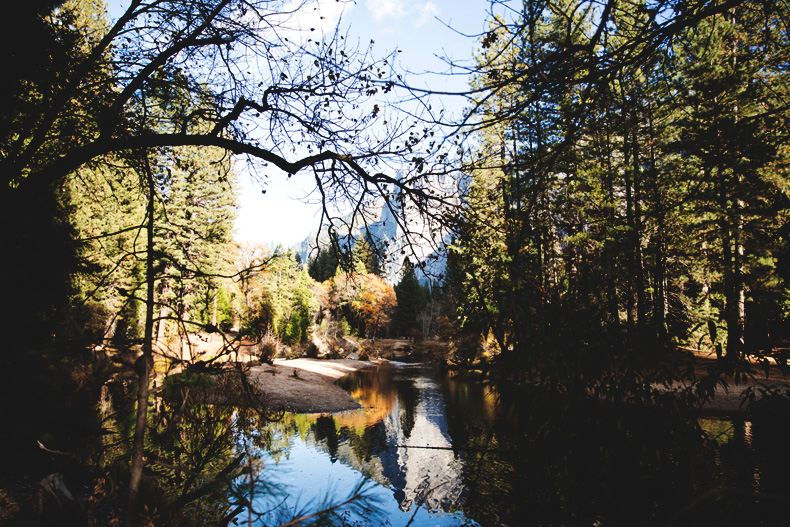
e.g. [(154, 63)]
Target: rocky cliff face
[(399, 233)]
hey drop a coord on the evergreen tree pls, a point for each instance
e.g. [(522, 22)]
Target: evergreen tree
[(411, 298), (40, 275), (365, 255), (610, 202), (326, 261), (322, 267), (195, 224), (731, 150)]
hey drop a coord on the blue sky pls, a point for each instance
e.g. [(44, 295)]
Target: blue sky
[(418, 29)]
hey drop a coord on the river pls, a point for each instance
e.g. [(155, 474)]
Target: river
[(440, 451)]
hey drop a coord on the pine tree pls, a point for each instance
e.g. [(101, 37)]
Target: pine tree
[(610, 202), (327, 260), (39, 277), (365, 255), (411, 298), (727, 134)]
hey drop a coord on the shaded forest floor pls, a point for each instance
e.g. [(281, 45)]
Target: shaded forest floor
[(728, 399)]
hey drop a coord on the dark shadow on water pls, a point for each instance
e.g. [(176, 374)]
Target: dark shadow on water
[(525, 456)]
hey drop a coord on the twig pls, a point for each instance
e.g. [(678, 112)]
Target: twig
[(422, 501), (42, 447), (297, 521), (463, 449)]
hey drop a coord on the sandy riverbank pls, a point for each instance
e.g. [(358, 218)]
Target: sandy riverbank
[(727, 400), (312, 388), (308, 385)]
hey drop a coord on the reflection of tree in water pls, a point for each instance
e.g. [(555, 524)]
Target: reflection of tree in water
[(488, 475), (470, 409), (372, 388), (408, 399), (195, 452), (527, 457), (375, 391), (369, 443), (767, 472), (325, 430), (549, 459), (212, 457)]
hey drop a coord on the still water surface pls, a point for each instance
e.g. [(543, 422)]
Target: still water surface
[(441, 451)]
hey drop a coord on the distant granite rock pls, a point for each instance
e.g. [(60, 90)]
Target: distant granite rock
[(380, 219)]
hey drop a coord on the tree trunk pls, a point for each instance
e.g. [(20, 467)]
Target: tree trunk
[(660, 307), (144, 367), (214, 307), (639, 272), (733, 273), (735, 300), (630, 302)]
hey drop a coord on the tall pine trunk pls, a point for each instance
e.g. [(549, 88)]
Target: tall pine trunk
[(146, 362), (639, 272), (732, 229), (732, 264), (660, 308)]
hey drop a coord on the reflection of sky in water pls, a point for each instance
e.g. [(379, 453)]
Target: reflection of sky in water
[(308, 475), (404, 406)]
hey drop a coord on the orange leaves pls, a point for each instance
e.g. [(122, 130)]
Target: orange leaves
[(374, 302)]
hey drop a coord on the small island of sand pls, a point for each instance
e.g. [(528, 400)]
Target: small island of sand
[(308, 385)]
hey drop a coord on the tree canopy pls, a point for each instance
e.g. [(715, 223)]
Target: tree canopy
[(628, 182)]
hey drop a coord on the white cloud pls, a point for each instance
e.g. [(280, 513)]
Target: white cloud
[(395, 10), (427, 12), (320, 15), (300, 20), (383, 9)]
